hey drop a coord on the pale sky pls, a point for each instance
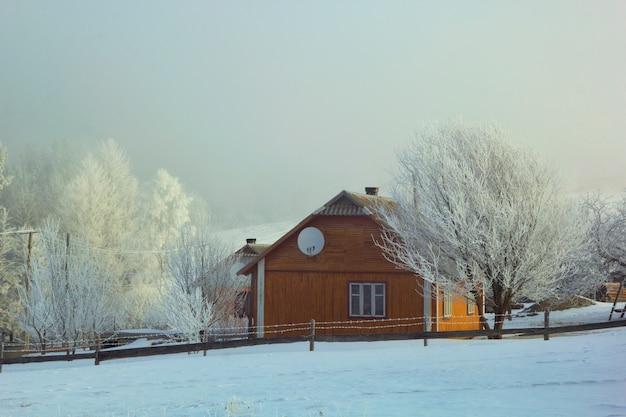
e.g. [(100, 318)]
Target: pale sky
[(270, 108)]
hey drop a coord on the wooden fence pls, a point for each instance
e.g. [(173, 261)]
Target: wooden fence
[(165, 349)]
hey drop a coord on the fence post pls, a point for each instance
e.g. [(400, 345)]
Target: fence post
[(546, 324), (312, 336), (1, 351), (98, 351)]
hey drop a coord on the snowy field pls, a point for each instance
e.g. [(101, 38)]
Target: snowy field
[(573, 375)]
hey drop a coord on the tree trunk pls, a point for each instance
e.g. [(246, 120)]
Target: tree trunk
[(501, 302), (500, 312), (498, 323)]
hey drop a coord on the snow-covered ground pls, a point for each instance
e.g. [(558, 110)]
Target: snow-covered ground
[(570, 375)]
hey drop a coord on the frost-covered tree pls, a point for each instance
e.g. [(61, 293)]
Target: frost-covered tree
[(201, 295), (40, 175), (70, 297), (100, 204), (4, 179), (165, 210), (608, 234), (8, 273), (99, 201), (482, 218)]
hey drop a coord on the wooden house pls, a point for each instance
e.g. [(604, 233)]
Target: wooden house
[(329, 269)]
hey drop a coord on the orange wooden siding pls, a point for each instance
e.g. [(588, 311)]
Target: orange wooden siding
[(298, 297), (460, 319), (298, 288), (349, 246)]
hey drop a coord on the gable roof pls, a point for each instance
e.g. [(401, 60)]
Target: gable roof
[(343, 204)]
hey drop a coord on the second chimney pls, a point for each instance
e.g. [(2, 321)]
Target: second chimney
[(371, 190)]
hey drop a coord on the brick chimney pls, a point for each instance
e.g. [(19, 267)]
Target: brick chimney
[(371, 190)]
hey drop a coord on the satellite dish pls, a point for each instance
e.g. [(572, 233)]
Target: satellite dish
[(311, 241)]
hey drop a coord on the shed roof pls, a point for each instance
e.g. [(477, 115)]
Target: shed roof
[(345, 203), (252, 249)]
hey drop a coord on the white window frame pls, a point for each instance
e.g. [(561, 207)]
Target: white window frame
[(447, 304), (471, 307), (358, 302)]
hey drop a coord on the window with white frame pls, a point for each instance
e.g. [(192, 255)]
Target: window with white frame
[(470, 307), (367, 299), (447, 303)]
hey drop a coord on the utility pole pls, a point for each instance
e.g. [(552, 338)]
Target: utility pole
[(67, 250), (28, 266), (26, 336)]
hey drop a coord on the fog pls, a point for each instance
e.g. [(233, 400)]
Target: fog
[(269, 109)]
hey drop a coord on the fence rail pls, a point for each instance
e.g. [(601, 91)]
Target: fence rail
[(165, 349)]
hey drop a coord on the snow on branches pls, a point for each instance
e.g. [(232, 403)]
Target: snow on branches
[(69, 297), (202, 295), (608, 233), (479, 216)]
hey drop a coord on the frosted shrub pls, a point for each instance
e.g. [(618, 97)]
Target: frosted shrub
[(236, 407)]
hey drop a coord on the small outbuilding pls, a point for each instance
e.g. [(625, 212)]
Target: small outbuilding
[(329, 269)]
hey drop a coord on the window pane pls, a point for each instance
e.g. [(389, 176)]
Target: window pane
[(380, 289), (355, 305), (380, 306), (354, 289), (367, 299)]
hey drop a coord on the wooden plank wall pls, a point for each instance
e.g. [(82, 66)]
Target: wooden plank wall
[(298, 297), (299, 288), (612, 289), (349, 246), (460, 319)]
